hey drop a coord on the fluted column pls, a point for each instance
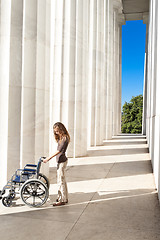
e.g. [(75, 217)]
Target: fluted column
[(100, 88), (4, 87), (116, 91), (57, 15), (121, 21), (51, 145), (42, 83), (69, 49), (92, 73), (105, 62), (149, 75), (115, 72), (40, 79), (98, 77), (29, 82), (109, 105), (154, 141), (57, 68), (10, 86), (151, 89), (80, 97), (85, 77), (145, 21), (157, 152), (47, 77), (102, 121), (78, 78)]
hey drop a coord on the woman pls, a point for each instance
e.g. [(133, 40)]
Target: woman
[(62, 138)]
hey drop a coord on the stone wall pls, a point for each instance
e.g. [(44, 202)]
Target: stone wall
[(152, 89)]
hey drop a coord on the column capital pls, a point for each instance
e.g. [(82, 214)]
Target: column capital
[(117, 4), (121, 19), (145, 17)]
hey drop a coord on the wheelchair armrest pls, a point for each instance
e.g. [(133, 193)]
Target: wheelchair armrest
[(29, 170), (31, 165)]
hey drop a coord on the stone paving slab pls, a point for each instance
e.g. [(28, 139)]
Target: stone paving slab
[(110, 197)]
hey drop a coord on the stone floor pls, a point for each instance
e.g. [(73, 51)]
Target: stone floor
[(110, 197)]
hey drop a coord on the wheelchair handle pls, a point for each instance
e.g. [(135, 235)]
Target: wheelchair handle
[(39, 165), (41, 159)]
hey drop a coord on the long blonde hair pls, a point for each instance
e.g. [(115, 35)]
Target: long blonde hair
[(62, 130)]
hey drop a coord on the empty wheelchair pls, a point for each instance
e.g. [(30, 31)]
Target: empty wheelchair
[(32, 186)]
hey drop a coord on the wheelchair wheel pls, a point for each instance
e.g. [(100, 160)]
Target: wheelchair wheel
[(7, 201), (34, 193), (44, 179)]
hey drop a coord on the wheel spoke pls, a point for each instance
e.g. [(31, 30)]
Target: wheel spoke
[(26, 198)]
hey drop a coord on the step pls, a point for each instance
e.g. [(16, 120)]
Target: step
[(126, 141), (117, 150), (129, 136)]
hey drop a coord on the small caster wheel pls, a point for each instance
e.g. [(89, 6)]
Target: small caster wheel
[(7, 201), (12, 195), (1, 193)]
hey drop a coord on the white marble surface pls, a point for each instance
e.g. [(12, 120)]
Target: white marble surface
[(152, 89)]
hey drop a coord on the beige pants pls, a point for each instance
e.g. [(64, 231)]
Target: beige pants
[(61, 181)]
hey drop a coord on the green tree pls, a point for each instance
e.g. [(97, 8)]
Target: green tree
[(132, 115)]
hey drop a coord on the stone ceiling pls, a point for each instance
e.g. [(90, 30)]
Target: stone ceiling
[(135, 9)]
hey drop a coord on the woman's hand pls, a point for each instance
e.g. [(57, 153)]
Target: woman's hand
[(49, 158), (46, 160)]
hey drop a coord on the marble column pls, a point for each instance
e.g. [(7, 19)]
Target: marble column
[(51, 30), (119, 103), (85, 77), (69, 49), (42, 83), (145, 21), (154, 142), (103, 84), (98, 77), (157, 141), (10, 86), (57, 67), (4, 87), (149, 75), (109, 67), (121, 21), (97, 74), (29, 82), (40, 79), (57, 9), (80, 82), (92, 73), (115, 71), (117, 9), (152, 93), (152, 80), (105, 62), (100, 84), (47, 77), (78, 78)]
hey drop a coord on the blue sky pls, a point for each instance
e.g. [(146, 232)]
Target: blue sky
[(133, 50)]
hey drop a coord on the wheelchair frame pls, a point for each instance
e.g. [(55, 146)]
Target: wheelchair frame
[(32, 186)]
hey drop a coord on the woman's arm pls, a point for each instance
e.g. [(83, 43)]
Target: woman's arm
[(49, 158)]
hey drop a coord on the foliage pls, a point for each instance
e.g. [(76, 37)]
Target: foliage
[(132, 115)]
